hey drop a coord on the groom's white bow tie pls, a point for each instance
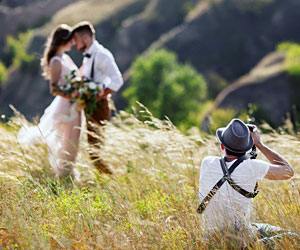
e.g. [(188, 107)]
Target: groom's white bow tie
[(86, 55)]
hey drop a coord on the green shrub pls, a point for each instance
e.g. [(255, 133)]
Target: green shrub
[(167, 88), (3, 73), (220, 118), (16, 50), (253, 114), (285, 46), (292, 60), (292, 67)]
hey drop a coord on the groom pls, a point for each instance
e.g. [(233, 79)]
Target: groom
[(98, 64)]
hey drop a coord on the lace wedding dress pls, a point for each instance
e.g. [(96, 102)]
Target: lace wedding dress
[(59, 127)]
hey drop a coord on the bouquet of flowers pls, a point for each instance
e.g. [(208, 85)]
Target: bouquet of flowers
[(82, 90)]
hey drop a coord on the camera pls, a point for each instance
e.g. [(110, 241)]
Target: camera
[(253, 152), (251, 127)]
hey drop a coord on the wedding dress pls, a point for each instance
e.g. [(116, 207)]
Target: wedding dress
[(59, 127)]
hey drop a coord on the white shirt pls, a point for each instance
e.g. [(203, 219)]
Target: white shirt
[(106, 70), (228, 207)]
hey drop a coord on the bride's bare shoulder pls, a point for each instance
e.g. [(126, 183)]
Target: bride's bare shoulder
[(55, 59)]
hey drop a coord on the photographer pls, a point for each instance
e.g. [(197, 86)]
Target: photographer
[(227, 185)]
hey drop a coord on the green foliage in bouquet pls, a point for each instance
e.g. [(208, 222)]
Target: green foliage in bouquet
[(82, 90)]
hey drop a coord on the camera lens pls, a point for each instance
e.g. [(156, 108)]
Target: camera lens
[(251, 127)]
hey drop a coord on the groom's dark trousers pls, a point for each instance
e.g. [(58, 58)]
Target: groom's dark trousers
[(95, 134)]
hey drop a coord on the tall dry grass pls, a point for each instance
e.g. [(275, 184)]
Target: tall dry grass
[(149, 203)]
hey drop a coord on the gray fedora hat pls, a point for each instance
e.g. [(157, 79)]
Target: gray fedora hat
[(236, 136)]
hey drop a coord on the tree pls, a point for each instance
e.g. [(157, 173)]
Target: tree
[(16, 51), (166, 87), (291, 63)]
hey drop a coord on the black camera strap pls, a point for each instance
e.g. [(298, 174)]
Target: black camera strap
[(227, 177), (227, 172)]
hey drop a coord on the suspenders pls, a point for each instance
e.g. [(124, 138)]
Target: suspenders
[(227, 177), (92, 69)]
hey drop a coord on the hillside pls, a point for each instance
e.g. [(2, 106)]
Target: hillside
[(20, 3), (109, 17), (18, 16), (267, 86), (137, 33), (222, 39), (228, 38), (109, 21), (96, 11)]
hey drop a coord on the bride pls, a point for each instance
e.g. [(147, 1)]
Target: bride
[(60, 125)]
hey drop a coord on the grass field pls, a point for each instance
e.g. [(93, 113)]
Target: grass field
[(149, 203)]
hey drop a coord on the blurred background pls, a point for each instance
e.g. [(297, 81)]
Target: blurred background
[(198, 62)]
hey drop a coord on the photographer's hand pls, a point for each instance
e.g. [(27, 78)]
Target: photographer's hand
[(280, 169), (256, 137)]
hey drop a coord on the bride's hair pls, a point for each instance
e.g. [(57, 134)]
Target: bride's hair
[(61, 35)]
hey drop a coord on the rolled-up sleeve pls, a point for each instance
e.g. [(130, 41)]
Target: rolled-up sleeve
[(260, 168), (109, 71)]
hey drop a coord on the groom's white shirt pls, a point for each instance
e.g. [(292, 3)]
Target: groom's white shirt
[(106, 70)]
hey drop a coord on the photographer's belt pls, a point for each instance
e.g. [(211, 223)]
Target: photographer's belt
[(226, 177)]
